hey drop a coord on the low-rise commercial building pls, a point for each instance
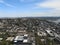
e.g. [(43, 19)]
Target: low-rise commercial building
[(22, 40)]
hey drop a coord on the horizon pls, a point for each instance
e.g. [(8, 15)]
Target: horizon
[(33, 17)]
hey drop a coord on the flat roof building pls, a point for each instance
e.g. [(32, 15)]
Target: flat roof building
[(22, 40), (10, 39), (18, 38)]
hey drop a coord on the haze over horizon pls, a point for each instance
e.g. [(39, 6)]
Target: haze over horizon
[(29, 8)]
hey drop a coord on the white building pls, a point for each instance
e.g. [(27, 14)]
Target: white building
[(50, 32), (41, 33)]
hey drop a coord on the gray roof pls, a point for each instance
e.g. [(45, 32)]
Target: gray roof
[(18, 38)]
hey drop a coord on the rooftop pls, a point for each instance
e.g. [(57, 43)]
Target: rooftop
[(19, 38)]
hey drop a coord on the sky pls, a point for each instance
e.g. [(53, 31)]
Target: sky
[(29, 8)]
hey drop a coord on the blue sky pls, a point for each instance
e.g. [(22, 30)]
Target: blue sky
[(29, 8)]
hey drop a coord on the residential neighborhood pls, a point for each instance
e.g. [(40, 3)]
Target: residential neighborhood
[(29, 31)]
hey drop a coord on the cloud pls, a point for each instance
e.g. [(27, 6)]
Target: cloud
[(27, 0), (9, 5), (30, 14), (53, 7), (1, 1), (54, 4), (52, 13)]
